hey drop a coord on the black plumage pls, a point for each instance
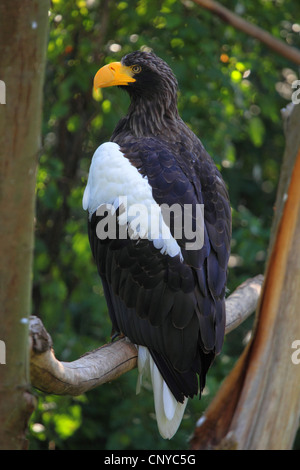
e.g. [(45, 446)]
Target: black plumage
[(173, 306)]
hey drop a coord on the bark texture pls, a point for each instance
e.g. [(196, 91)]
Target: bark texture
[(258, 406), (23, 39)]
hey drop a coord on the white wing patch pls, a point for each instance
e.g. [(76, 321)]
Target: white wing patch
[(112, 179)]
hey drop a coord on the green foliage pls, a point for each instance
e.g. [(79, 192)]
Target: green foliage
[(232, 89)]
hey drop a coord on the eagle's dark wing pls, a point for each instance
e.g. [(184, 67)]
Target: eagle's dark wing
[(173, 305)]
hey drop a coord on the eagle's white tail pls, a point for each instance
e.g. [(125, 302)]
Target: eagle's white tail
[(168, 410)]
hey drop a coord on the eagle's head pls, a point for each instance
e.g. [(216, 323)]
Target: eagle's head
[(143, 75)]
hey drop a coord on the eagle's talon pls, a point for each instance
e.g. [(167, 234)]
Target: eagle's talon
[(116, 335)]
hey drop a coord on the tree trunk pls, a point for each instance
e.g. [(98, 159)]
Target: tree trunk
[(23, 39), (258, 406)]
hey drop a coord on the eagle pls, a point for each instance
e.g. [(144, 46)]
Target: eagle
[(159, 227)]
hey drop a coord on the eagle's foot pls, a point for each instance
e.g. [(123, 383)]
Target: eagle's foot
[(117, 335)]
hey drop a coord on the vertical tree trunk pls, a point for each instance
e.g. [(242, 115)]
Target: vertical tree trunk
[(23, 38), (258, 406)]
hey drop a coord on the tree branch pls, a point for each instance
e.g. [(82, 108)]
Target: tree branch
[(237, 22), (112, 360)]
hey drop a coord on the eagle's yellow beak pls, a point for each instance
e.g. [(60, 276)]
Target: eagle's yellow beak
[(113, 74)]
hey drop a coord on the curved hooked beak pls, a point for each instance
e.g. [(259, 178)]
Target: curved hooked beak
[(112, 75)]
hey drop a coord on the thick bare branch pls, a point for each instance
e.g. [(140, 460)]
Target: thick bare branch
[(242, 302), (74, 378), (112, 360), (277, 45)]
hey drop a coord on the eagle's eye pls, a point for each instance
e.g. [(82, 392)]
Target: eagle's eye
[(136, 68)]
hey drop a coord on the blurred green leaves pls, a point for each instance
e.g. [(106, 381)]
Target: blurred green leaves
[(256, 131), (230, 97)]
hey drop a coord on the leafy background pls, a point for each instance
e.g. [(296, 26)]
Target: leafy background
[(232, 90)]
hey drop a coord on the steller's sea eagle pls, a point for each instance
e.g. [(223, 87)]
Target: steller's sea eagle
[(164, 285)]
